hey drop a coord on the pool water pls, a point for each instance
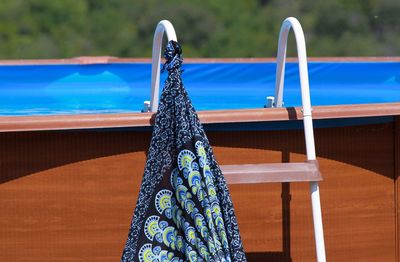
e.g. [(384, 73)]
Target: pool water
[(122, 88)]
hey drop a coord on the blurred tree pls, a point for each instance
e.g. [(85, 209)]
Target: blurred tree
[(206, 28)]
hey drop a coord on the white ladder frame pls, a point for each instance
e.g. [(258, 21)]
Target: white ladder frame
[(163, 26), (293, 23)]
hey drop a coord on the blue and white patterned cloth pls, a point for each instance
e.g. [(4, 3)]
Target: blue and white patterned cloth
[(184, 211)]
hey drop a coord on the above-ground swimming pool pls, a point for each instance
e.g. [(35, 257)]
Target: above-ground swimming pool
[(73, 149)]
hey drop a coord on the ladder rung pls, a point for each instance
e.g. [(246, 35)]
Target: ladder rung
[(270, 173)]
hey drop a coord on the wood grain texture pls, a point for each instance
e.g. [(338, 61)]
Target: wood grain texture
[(92, 121), (397, 183), (69, 196), (356, 192)]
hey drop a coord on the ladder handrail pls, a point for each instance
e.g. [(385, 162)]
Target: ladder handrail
[(163, 26), (287, 24)]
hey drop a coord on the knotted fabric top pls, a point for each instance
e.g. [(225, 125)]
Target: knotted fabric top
[(173, 56)]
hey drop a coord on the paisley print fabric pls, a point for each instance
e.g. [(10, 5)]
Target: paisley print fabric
[(184, 211)]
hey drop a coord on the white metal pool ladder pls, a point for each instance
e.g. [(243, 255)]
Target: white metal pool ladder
[(290, 172), (267, 173)]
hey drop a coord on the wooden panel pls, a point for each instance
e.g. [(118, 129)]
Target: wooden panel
[(90, 121), (78, 212), (397, 183), (69, 196), (357, 196)]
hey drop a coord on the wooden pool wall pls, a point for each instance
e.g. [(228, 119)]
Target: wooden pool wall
[(69, 195)]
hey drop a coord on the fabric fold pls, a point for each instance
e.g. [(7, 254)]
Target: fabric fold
[(184, 210)]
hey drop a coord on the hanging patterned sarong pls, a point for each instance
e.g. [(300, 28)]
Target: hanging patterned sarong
[(184, 211)]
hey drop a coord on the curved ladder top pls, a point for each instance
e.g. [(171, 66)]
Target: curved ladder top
[(287, 24), (163, 26)]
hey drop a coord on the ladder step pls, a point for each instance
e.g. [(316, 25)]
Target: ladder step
[(272, 173)]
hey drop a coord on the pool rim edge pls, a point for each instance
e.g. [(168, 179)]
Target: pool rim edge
[(96, 121)]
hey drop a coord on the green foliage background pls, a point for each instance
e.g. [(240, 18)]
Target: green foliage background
[(206, 28)]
